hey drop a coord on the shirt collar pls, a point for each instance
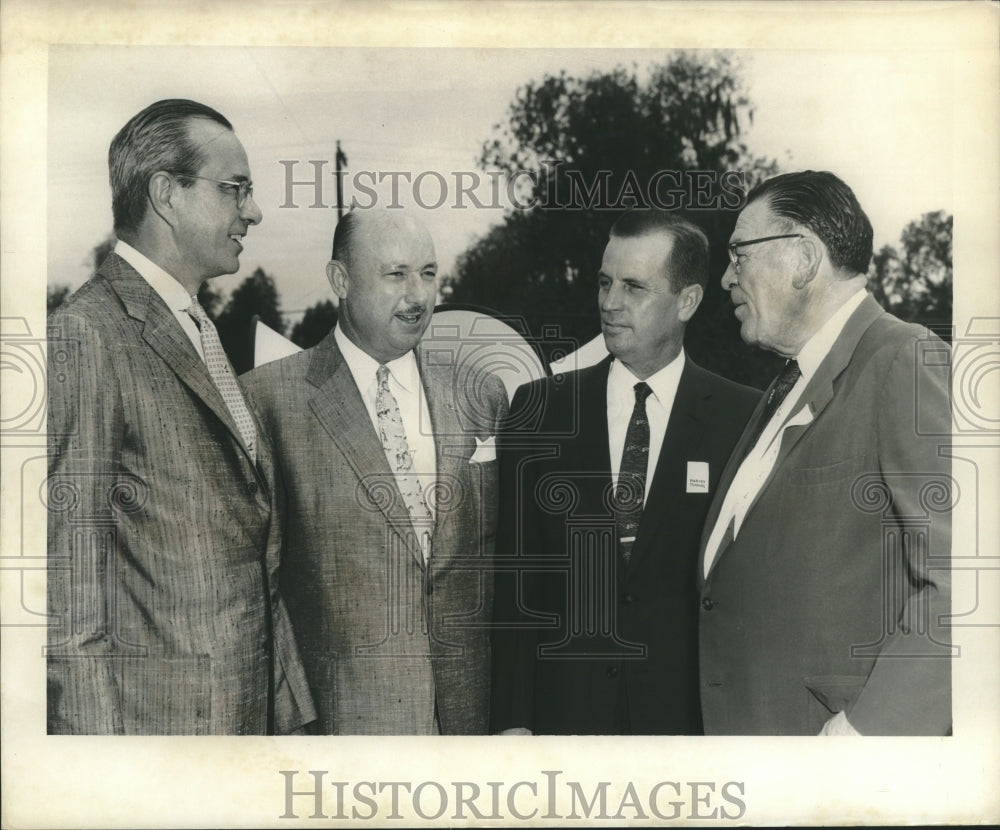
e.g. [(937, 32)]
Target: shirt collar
[(170, 290), (817, 347), (621, 381), (363, 366)]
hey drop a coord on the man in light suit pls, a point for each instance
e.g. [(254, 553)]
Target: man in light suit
[(824, 576), (386, 455), (165, 615), (596, 611)]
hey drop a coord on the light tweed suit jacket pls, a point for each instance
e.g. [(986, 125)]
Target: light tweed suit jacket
[(165, 614), (385, 639)]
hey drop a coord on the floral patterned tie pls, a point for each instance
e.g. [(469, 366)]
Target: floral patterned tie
[(397, 451), (224, 378)]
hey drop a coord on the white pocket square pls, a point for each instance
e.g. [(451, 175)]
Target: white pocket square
[(485, 450)]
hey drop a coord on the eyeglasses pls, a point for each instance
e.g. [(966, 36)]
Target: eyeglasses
[(734, 257), (244, 190)]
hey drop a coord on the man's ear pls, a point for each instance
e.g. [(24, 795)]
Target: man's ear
[(161, 189), (336, 273), (807, 261), (688, 301)]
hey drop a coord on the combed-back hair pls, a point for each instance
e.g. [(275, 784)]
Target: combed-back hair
[(153, 140), (688, 262), (829, 208), (343, 235)]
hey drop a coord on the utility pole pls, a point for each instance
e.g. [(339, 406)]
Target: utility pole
[(341, 162)]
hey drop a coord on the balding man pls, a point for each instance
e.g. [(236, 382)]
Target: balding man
[(389, 480)]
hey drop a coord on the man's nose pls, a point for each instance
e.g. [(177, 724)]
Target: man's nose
[(729, 277), (251, 212), (610, 298)]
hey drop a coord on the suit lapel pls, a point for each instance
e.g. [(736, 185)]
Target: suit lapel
[(451, 450), (164, 335), (816, 396), (338, 406)]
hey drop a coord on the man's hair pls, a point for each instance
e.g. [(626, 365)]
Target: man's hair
[(688, 261), (343, 236), (155, 139), (829, 208)]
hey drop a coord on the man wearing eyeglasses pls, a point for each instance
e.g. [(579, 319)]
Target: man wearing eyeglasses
[(162, 539), (824, 564)]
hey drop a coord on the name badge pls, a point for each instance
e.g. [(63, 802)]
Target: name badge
[(697, 481)]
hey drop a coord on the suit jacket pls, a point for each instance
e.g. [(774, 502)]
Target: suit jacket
[(384, 637), (165, 614), (833, 595), (579, 639)]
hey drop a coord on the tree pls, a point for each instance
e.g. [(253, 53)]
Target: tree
[(581, 150), (315, 324), (256, 295), (915, 282)]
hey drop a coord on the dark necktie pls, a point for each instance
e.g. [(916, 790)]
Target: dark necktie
[(631, 489), (787, 378)]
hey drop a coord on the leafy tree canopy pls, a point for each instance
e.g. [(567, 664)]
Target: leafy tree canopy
[(914, 282), (581, 150)]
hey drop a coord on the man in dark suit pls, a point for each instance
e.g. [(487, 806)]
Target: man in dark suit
[(606, 475), (824, 576), (389, 471), (162, 583)]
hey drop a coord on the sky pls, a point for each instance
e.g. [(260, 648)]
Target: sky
[(874, 118)]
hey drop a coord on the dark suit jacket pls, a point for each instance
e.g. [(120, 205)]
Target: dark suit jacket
[(163, 557), (383, 637), (833, 595), (607, 636)]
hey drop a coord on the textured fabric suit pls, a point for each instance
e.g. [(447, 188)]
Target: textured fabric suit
[(163, 592), (383, 636), (833, 594), (555, 495)]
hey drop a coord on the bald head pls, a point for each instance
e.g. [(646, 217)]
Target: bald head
[(384, 272)]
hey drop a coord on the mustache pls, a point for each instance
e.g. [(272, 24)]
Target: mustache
[(414, 309)]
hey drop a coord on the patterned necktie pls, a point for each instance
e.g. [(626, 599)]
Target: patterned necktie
[(224, 378), (787, 378), (397, 451), (631, 489)]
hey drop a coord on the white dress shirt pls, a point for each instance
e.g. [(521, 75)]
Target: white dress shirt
[(170, 291), (759, 462), (621, 402), (407, 389)]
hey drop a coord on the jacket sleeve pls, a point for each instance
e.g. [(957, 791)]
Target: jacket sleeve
[(84, 484), (908, 691)]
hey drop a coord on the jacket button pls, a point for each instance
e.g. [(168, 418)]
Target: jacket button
[(708, 604), (613, 671), (252, 488)]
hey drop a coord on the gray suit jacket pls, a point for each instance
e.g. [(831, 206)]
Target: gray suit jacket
[(165, 614), (383, 637), (836, 592)]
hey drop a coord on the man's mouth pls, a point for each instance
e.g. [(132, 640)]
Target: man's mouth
[(238, 238), (411, 317)]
